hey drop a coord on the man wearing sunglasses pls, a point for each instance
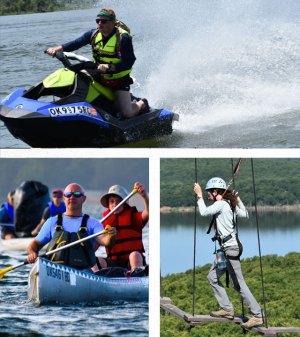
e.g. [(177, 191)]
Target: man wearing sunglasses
[(55, 206), (69, 227), (114, 56)]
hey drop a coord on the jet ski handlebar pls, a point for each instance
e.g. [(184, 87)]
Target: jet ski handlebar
[(73, 56), (64, 57)]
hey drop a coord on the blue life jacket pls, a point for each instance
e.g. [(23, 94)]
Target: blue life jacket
[(55, 210), (9, 215)]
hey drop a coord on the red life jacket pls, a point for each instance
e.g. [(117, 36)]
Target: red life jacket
[(129, 235)]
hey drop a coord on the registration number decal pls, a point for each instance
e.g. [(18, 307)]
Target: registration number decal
[(58, 274), (73, 110)]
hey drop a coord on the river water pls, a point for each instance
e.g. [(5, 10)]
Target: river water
[(279, 234), (231, 69), (19, 317)]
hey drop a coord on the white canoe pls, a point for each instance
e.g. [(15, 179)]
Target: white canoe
[(55, 283), (20, 244)]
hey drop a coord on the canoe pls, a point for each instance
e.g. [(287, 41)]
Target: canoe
[(55, 283), (19, 244)]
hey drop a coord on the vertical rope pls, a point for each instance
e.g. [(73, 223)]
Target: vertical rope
[(195, 224), (264, 314), (237, 231)]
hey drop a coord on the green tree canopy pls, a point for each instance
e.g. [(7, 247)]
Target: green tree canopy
[(277, 181)]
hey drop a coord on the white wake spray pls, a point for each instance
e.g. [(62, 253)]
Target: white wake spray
[(217, 62)]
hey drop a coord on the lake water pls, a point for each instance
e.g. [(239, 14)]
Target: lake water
[(279, 234), (231, 69), (19, 317)]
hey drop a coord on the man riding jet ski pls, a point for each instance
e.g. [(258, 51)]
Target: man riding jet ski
[(114, 57), (87, 104)]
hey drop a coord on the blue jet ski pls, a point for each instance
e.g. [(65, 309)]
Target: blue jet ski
[(69, 108)]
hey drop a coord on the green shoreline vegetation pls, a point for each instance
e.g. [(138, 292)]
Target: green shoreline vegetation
[(8, 7), (277, 181), (281, 279)]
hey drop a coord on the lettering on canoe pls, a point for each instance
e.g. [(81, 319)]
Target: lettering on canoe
[(58, 274)]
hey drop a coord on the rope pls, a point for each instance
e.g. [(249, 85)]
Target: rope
[(237, 231), (195, 224), (264, 314)]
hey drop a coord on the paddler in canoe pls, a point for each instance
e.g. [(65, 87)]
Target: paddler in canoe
[(55, 206), (7, 217), (128, 249), (69, 227), (23, 210)]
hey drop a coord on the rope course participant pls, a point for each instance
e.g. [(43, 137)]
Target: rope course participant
[(226, 207)]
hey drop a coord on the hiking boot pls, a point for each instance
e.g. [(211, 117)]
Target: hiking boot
[(252, 322), (222, 314), (146, 107)]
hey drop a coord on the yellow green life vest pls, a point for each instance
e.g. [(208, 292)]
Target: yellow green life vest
[(110, 53)]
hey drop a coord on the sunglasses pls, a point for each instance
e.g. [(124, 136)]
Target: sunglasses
[(75, 194), (102, 21), (56, 196)]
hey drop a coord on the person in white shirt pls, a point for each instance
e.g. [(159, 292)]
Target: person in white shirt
[(226, 207)]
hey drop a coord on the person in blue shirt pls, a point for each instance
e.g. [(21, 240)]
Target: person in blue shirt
[(70, 227), (54, 207), (114, 57), (7, 218)]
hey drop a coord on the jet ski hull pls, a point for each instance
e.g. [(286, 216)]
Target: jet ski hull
[(42, 124)]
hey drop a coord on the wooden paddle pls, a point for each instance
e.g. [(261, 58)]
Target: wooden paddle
[(105, 231)]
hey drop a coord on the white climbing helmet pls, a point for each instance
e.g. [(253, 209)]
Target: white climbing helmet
[(215, 182)]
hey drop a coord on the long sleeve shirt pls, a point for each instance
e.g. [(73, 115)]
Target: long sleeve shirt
[(127, 53), (225, 218)]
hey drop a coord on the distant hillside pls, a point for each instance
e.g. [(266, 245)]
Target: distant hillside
[(8, 7), (93, 174), (277, 181)]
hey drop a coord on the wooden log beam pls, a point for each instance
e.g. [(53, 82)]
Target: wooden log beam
[(273, 331), (166, 304), (201, 319)]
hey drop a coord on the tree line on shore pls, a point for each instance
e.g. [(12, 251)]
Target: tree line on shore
[(276, 181), (9, 7)]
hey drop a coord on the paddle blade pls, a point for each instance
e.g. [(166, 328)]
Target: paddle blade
[(4, 271), (8, 269)]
